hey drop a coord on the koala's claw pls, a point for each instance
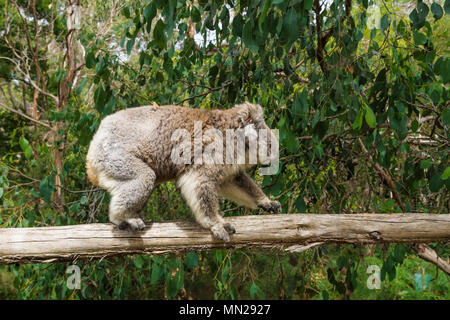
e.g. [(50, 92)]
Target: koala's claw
[(220, 232), (135, 224), (271, 206), (229, 228)]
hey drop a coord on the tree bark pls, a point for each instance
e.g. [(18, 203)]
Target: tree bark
[(426, 253), (282, 231), (73, 17)]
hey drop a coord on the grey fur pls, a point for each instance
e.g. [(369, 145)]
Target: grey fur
[(131, 152)]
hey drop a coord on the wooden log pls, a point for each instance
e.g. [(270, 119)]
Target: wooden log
[(291, 232)]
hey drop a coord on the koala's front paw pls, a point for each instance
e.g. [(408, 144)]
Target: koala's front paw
[(271, 206), (135, 224), (223, 231), (230, 229)]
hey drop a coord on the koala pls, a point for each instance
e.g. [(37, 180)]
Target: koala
[(133, 150)]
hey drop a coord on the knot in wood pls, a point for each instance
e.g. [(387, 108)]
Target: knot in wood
[(375, 235)]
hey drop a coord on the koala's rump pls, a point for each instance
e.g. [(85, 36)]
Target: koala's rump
[(135, 134)]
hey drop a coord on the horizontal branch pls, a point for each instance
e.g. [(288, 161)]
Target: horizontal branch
[(26, 116), (283, 231), (427, 253)]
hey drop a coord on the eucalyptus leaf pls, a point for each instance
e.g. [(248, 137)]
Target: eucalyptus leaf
[(358, 120), (371, 120), (419, 38), (436, 182), (437, 11), (26, 147)]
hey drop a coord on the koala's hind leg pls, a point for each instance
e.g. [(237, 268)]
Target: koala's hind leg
[(200, 192), (129, 196), (244, 191)]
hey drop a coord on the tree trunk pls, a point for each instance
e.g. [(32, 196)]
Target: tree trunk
[(283, 231), (73, 18)]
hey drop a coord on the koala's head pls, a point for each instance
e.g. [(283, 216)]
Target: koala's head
[(256, 129)]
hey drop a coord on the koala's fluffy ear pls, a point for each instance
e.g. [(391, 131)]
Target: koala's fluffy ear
[(250, 113)]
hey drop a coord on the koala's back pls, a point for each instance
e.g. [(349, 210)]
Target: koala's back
[(138, 134)]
